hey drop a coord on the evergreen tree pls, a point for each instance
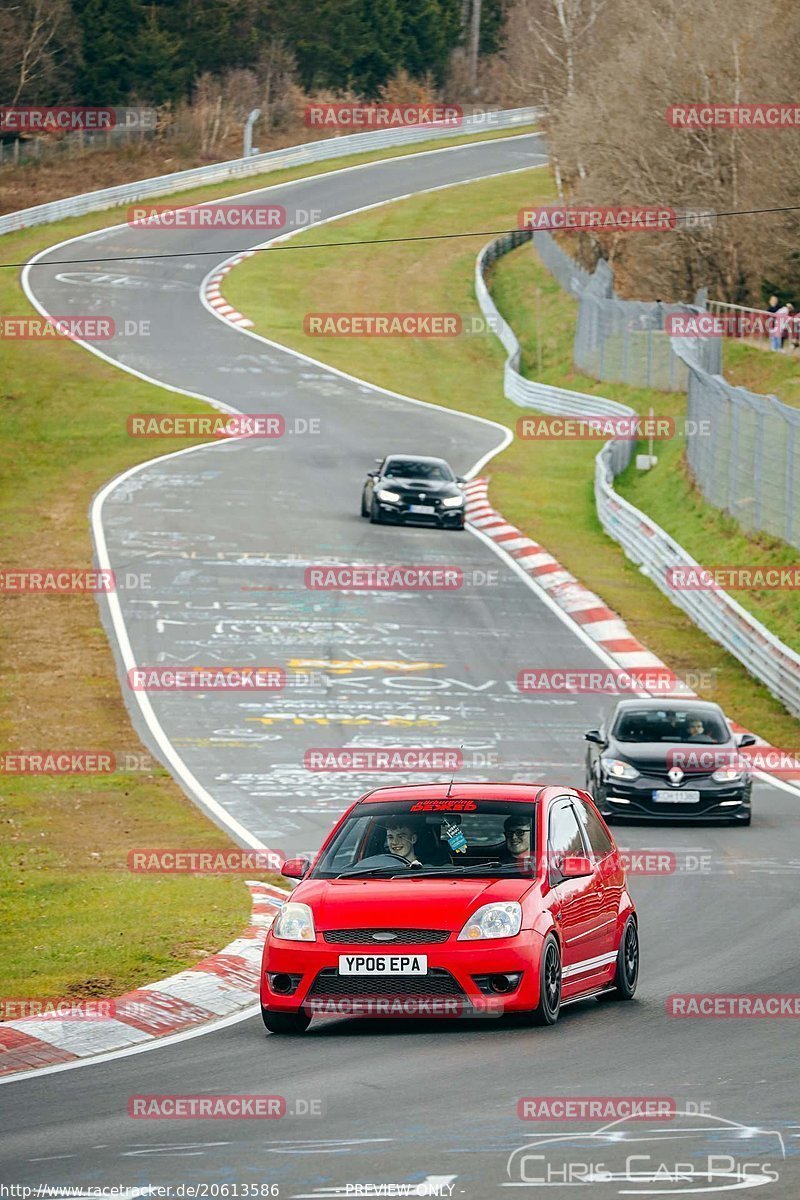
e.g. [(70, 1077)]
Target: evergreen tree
[(158, 67), (109, 31), (381, 45), (431, 30), (156, 49)]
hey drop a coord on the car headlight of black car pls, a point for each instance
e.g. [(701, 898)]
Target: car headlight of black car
[(389, 497), (452, 502), (617, 768)]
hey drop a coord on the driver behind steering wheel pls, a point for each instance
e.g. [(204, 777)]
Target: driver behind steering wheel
[(401, 840)]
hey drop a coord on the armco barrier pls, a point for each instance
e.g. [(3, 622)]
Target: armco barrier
[(274, 160), (526, 392), (644, 542)]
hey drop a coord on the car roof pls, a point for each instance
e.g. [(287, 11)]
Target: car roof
[(426, 458), (523, 792), (670, 703)]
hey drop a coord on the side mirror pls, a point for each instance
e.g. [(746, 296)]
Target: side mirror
[(594, 735), (373, 474), (460, 479), (295, 868), (576, 866), (745, 739)]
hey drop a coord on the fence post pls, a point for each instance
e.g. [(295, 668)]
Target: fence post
[(758, 469), (649, 375), (600, 337), (789, 495), (733, 458)]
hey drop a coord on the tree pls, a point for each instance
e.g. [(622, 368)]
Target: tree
[(156, 69), (547, 44), (109, 30), (431, 31), (615, 146), (37, 40)]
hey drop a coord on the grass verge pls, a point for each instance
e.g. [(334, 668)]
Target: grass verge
[(73, 920), (763, 371), (543, 487)]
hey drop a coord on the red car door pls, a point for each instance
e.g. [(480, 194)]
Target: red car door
[(578, 904), (612, 876)]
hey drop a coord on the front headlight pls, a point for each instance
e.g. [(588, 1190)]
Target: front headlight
[(727, 775), (452, 502), (294, 923), (501, 919), (618, 769), (389, 497)]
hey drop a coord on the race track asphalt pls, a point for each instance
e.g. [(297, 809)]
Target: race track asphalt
[(226, 533)]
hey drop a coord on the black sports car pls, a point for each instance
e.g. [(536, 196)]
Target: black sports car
[(412, 487), (669, 758)]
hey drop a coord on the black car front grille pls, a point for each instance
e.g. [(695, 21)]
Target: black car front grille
[(660, 773), (405, 937), (437, 982)]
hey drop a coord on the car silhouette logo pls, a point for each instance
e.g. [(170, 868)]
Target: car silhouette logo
[(675, 776), (689, 1154), (422, 495)]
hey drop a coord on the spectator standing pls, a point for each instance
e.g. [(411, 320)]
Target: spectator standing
[(774, 338), (781, 329)]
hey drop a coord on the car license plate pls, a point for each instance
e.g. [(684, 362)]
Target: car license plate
[(424, 510), (383, 964), (676, 797)]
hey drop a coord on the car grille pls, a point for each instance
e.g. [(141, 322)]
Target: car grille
[(660, 773), (436, 983), (405, 937)]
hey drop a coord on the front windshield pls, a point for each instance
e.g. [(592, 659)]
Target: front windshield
[(445, 837), (670, 725), (409, 468)]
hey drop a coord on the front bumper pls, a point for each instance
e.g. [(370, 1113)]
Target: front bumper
[(718, 801), (449, 989), (442, 517)]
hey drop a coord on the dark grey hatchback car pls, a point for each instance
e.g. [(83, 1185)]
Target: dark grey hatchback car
[(670, 759), (414, 488)]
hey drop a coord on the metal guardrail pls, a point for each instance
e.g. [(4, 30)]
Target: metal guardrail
[(274, 160), (526, 392), (760, 652), (645, 543)]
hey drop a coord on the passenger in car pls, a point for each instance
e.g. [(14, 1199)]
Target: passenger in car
[(674, 725), (517, 847)]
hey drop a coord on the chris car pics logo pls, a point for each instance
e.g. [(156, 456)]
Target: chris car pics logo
[(693, 1153)]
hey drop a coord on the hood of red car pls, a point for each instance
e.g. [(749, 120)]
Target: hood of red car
[(405, 904)]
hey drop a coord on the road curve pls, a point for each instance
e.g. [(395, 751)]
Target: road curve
[(226, 533)]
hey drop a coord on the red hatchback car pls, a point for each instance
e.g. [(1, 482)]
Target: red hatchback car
[(454, 900)]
